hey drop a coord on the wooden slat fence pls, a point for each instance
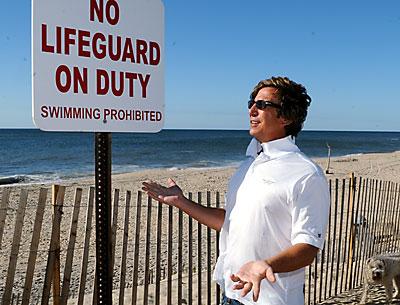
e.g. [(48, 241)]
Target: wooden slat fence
[(162, 256)]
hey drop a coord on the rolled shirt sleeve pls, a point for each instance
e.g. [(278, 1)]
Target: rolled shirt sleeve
[(310, 210)]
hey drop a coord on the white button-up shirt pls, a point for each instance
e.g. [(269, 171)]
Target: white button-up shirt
[(277, 198)]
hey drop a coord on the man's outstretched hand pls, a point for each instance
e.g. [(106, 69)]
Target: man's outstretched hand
[(249, 277), (169, 195)]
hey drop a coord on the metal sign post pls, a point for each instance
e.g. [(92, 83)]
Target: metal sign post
[(103, 219)]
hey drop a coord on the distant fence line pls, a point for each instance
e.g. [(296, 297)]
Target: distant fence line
[(161, 255)]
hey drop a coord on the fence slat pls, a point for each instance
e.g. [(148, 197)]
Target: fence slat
[(180, 233), (347, 236), (71, 247), (382, 215), (390, 230), (55, 235), (124, 249), (19, 221), (338, 264), (169, 259), (334, 234), (388, 205), (85, 257), (136, 251), (37, 228), (376, 198), (158, 253), (190, 258), (396, 219), (218, 289), (199, 284), (208, 254), (367, 231), (328, 242), (56, 264), (397, 222), (357, 227), (3, 209), (114, 226)]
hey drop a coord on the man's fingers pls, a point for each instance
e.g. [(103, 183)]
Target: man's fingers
[(246, 288), (235, 278), (171, 182), (155, 196), (269, 275), (238, 286), (256, 291)]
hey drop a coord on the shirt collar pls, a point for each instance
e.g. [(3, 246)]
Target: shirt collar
[(272, 149)]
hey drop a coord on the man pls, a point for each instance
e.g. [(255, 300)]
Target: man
[(277, 204)]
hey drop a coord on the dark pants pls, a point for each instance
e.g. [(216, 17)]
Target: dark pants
[(228, 301)]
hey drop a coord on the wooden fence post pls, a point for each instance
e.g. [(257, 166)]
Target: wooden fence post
[(352, 228), (19, 221), (52, 266), (3, 211), (56, 265), (34, 246)]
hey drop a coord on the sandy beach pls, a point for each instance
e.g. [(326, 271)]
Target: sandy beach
[(382, 166)]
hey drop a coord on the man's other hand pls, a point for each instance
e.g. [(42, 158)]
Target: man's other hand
[(249, 277), (169, 195)]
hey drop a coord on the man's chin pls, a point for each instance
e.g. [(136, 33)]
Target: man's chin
[(253, 132)]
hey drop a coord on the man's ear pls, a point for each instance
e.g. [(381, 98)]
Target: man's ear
[(285, 121)]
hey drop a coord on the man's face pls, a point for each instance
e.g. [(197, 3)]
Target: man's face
[(265, 125)]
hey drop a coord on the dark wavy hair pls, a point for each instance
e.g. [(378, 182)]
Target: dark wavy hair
[(294, 101)]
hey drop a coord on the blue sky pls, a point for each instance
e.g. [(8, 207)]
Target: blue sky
[(345, 52)]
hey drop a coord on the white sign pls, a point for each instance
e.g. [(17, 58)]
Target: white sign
[(98, 65)]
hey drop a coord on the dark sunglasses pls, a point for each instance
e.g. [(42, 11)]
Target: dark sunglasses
[(263, 104)]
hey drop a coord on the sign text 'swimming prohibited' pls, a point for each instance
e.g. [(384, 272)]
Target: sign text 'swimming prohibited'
[(98, 65)]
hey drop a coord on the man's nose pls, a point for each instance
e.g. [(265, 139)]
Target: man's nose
[(253, 110)]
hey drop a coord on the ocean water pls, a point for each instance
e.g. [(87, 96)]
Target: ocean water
[(30, 155)]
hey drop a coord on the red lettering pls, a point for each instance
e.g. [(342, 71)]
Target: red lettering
[(96, 9), (44, 113), (102, 75), (96, 113), (128, 51), (68, 40), (67, 112), (101, 47), (77, 113), (117, 55), (131, 77), (120, 90), (112, 20), (80, 80), (54, 112), (129, 115), (63, 70), (141, 49), (121, 114), (83, 43), (45, 46), (106, 113), (152, 116), (155, 53), (113, 114), (58, 39), (144, 82)]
